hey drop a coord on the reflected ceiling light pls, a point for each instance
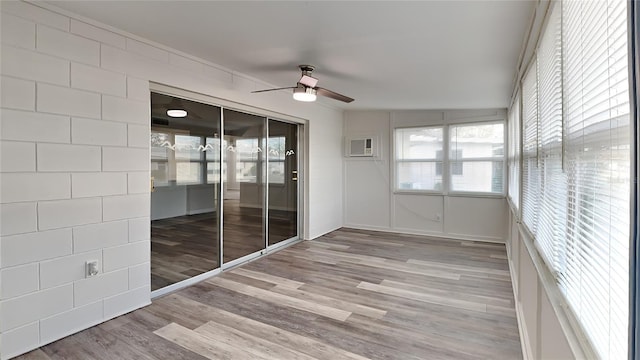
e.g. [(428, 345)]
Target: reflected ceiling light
[(176, 113), (306, 94)]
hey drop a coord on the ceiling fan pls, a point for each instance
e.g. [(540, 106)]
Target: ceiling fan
[(306, 89)]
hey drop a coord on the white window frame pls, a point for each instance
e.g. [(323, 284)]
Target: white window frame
[(446, 162)]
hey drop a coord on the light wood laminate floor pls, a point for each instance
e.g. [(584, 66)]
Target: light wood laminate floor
[(350, 294)]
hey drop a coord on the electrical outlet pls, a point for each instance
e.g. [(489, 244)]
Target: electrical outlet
[(91, 267)]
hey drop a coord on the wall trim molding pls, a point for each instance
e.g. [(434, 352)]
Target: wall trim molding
[(522, 328)]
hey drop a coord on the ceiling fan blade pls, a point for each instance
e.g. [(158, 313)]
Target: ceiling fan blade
[(265, 90), (333, 95)]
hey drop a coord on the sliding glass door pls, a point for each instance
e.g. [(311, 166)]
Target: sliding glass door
[(224, 188), (185, 190), (244, 185), (282, 152)]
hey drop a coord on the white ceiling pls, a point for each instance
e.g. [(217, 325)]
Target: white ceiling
[(386, 55)]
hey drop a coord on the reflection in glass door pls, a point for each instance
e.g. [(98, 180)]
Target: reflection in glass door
[(185, 163), (244, 185), (282, 152)]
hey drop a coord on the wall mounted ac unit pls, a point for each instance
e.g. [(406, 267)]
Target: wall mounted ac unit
[(361, 147)]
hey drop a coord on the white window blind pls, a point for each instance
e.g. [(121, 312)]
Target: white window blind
[(553, 184), (594, 274), (514, 152), (418, 156), (478, 151), (530, 173)]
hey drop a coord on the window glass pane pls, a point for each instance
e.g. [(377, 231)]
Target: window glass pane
[(213, 171), (247, 149), (188, 172), (477, 176), (188, 147), (276, 172), (277, 148), (419, 175), (419, 143), (212, 148), (476, 141), (160, 172), (161, 143)]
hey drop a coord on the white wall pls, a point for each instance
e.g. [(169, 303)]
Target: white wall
[(74, 168), (370, 202)]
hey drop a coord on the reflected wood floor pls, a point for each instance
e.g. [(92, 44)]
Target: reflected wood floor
[(350, 294), (185, 246)]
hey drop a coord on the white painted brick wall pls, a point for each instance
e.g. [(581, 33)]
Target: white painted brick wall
[(138, 136), (98, 132), (125, 159), (137, 89), (67, 213), (95, 79), (126, 302), (35, 306), (20, 340), (125, 207), (35, 246), (99, 287), (66, 323), (126, 255), (36, 14), (62, 100), (125, 110), (55, 157), (20, 187), (138, 182), (18, 218), (17, 93), (139, 275), (18, 280), (98, 236), (17, 156), (68, 46), (67, 269), (31, 126), (16, 31), (185, 63), (91, 32), (98, 184), (139, 229), (146, 50), (30, 65)]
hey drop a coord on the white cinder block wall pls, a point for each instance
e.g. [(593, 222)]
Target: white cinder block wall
[(74, 170)]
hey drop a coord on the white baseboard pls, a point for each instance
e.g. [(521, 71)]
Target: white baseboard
[(441, 235)]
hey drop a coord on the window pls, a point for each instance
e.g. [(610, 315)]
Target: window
[(475, 162), (530, 173), (418, 154), (595, 273), (576, 157), (477, 157), (514, 152)]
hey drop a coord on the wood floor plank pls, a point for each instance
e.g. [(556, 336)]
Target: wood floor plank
[(203, 345), (251, 343), (268, 278), (284, 300), (430, 298)]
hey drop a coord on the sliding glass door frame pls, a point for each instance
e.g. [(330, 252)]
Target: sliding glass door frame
[(268, 115)]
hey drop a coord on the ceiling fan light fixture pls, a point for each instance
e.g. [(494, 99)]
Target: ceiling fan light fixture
[(305, 94), (178, 113)]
